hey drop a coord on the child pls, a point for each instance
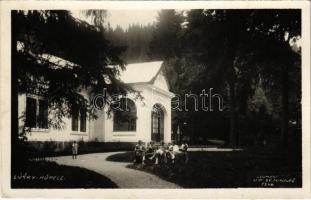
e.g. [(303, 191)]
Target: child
[(74, 150)]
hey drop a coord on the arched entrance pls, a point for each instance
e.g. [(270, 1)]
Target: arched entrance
[(157, 123)]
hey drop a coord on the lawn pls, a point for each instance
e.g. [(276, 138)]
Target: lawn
[(227, 170), (122, 157), (45, 174)]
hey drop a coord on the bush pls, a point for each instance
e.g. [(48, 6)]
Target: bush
[(53, 148)]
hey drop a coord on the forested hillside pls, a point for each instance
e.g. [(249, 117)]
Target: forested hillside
[(249, 57), (135, 40)]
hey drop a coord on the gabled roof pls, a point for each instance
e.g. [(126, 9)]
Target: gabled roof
[(141, 72)]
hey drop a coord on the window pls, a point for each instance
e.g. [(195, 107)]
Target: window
[(36, 113), (157, 123), (125, 118), (75, 119), (78, 118), (82, 121), (43, 114)]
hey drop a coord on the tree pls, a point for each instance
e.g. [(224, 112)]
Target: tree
[(164, 42), (213, 38), (279, 29), (97, 16), (36, 35), (166, 45), (233, 50), (135, 40)]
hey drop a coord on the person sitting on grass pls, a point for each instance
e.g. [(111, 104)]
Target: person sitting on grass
[(175, 148), (150, 150), (139, 152), (170, 153), (160, 153), (184, 149), (74, 150)]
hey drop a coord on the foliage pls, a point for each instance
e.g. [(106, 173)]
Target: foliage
[(60, 58), (97, 16), (165, 39), (135, 39), (238, 52), (44, 150), (249, 56)]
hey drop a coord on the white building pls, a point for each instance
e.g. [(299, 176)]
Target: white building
[(147, 119)]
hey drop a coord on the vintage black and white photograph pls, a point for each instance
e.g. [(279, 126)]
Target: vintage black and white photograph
[(156, 98)]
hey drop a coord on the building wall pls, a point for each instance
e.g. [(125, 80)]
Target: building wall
[(101, 129), (97, 127), (160, 81), (143, 123), (51, 134)]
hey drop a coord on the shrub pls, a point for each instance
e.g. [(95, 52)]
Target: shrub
[(40, 149)]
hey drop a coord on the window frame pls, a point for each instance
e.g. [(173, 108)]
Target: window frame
[(37, 99), (79, 132), (157, 123), (134, 117)]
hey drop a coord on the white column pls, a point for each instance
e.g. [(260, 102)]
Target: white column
[(167, 123)]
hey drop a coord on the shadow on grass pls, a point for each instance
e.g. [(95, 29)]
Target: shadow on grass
[(51, 175), (229, 170), (126, 157)]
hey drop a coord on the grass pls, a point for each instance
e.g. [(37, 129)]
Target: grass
[(122, 157), (229, 170), (51, 175)]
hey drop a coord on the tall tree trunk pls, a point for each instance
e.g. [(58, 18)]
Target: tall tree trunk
[(287, 62), (232, 51), (284, 107), (233, 115), (235, 24)]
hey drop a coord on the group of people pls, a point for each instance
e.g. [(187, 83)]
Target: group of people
[(152, 153), (159, 153)]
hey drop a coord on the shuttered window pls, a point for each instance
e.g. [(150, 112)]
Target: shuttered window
[(75, 119), (36, 113), (78, 119), (31, 112), (43, 114), (82, 120)]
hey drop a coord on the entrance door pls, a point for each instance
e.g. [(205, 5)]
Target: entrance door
[(157, 124)]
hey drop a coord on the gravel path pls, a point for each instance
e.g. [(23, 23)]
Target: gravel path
[(117, 171)]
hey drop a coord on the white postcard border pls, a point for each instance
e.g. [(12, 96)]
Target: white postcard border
[(5, 106)]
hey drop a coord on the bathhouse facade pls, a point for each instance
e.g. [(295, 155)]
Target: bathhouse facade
[(147, 119)]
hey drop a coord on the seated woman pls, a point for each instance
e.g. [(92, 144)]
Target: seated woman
[(139, 152), (150, 151), (170, 153), (184, 150), (160, 153)]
